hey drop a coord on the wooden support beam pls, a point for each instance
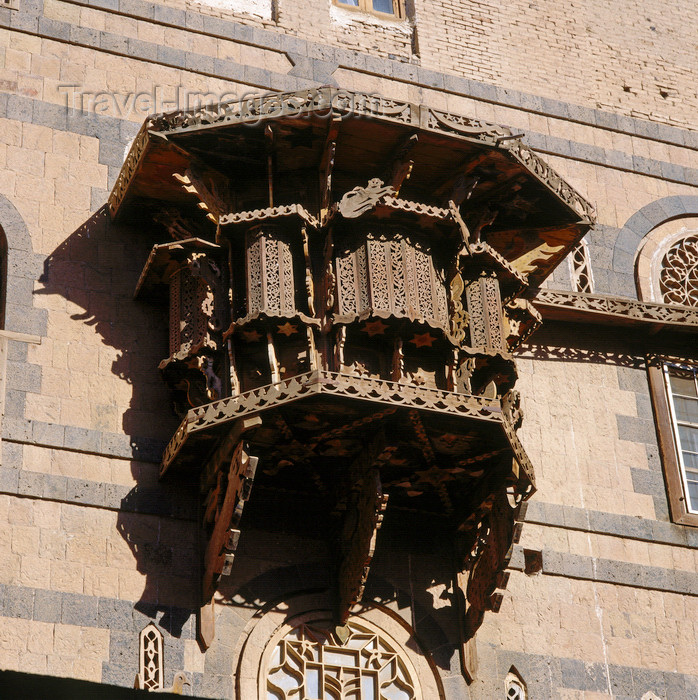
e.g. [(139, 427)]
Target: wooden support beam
[(400, 164), (226, 490), (365, 505), (327, 164)]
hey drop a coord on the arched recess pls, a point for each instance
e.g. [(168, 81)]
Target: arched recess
[(666, 271), (667, 258), (649, 217), (22, 267), (258, 653), (3, 276)]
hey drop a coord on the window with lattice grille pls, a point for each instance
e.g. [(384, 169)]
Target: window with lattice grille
[(150, 658), (580, 269), (311, 663), (678, 276), (515, 687)]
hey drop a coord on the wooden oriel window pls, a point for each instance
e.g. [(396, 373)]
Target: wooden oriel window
[(674, 390), (382, 8)]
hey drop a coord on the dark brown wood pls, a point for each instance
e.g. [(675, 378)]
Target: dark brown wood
[(363, 517), (668, 448)]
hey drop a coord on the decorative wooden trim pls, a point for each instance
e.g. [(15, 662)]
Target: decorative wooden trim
[(668, 448), (216, 414), (594, 308)]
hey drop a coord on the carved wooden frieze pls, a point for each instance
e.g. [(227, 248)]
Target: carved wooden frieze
[(610, 309)]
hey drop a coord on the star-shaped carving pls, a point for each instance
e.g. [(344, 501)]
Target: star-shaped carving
[(376, 327), (251, 336), (423, 340), (287, 329)]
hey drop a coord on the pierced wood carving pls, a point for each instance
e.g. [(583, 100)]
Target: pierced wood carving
[(678, 278), (196, 305), (485, 313), (343, 307)]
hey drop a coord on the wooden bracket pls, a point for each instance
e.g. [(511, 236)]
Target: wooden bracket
[(226, 490), (365, 505)]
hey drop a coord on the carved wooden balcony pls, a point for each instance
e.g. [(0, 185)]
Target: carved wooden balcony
[(347, 285)]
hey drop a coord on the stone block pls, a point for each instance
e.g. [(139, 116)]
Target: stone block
[(88, 492), (19, 602), (9, 479), (79, 610), (170, 15), (51, 434), (115, 614), (113, 43), (82, 439), (30, 484), (12, 455), (171, 56), (55, 486), (48, 605)]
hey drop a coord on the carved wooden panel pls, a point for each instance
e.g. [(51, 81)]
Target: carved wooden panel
[(485, 311), (392, 273), (270, 279), (188, 325)]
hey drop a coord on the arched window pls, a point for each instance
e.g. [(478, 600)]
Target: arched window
[(311, 662), (667, 273), (296, 652), (580, 268), (150, 663), (678, 271)]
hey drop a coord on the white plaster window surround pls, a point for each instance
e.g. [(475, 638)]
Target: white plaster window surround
[(257, 8), (346, 15), (580, 268), (514, 686)]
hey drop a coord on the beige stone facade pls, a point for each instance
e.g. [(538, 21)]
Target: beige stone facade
[(95, 546)]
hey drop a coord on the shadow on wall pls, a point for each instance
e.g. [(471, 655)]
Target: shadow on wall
[(96, 270), (411, 574), (576, 342)]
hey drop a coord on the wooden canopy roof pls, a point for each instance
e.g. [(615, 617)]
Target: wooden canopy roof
[(292, 143)]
